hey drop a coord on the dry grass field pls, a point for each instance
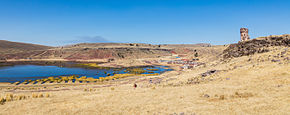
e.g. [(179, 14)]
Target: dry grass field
[(256, 84)]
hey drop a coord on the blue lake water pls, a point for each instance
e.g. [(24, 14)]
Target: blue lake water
[(33, 72)]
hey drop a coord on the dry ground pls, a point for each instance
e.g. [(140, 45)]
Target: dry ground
[(245, 85)]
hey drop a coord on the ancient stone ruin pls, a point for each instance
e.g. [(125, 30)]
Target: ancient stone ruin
[(244, 34), (253, 46)]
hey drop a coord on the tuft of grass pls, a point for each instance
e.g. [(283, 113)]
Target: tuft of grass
[(136, 70), (16, 83), (152, 69), (222, 97), (242, 95), (47, 95), (20, 97), (9, 97), (34, 95), (112, 88), (154, 74), (40, 95), (2, 100)]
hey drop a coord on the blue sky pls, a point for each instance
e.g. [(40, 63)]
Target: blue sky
[(61, 22)]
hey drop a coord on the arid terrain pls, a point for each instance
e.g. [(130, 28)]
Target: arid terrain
[(249, 77)]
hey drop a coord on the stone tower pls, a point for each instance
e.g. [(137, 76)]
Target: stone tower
[(244, 34)]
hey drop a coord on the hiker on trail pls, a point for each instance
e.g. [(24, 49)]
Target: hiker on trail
[(135, 85)]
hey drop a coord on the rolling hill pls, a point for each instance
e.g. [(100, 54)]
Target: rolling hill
[(16, 47)]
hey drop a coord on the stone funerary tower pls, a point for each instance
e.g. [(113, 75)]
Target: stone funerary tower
[(244, 34)]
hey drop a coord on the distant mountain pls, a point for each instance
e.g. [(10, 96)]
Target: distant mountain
[(15, 47)]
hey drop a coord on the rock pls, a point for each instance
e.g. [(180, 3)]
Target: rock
[(206, 96), (208, 73), (255, 46), (273, 60)]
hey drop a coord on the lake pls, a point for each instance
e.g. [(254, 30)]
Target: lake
[(32, 72)]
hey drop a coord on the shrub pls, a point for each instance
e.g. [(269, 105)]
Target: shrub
[(47, 95), (152, 69), (2, 100), (16, 83), (59, 81), (25, 82), (40, 95), (34, 95), (222, 97), (242, 95), (136, 70), (50, 78), (20, 97), (32, 82), (150, 74), (92, 89), (72, 77), (9, 97), (24, 97), (90, 79)]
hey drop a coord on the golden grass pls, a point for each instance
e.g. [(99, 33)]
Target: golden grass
[(90, 65), (2, 100), (263, 89), (136, 70), (47, 95), (9, 97), (152, 69), (61, 79)]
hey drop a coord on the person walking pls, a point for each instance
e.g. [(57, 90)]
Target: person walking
[(135, 85)]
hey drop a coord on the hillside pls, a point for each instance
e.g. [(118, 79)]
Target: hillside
[(238, 83), (98, 51), (16, 47), (258, 45)]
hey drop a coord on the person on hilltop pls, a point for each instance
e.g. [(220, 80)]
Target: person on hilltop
[(135, 85)]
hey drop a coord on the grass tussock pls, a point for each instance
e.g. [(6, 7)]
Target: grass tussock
[(17, 97), (2, 100), (40, 95), (152, 69), (135, 70), (84, 79), (236, 95), (89, 89)]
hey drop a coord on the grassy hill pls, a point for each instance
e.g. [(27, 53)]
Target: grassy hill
[(93, 51), (16, 47), (243, 79)]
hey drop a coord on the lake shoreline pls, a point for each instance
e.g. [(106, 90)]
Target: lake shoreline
[(36, 70), (61, 63)]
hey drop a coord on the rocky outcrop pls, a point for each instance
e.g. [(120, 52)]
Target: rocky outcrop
[(258, 45)]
